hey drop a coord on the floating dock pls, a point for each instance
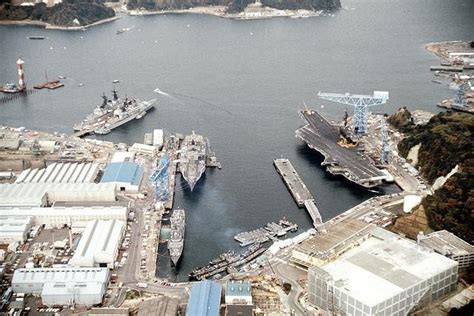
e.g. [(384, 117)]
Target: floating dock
[(299, 190), (264, 234), (51, 85), (293, 181)]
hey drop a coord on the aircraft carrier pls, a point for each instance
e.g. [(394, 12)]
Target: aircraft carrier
[(347, 161), (176, 241)]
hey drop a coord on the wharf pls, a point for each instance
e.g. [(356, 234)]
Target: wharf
[(299, 190), (83, 132), (172, 181), (447, 68), (293, 181)]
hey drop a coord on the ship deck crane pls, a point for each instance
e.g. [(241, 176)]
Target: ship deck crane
[(360, 104)]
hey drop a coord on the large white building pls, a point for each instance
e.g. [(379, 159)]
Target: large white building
[(14, 228), (99, 244), (384, 275), (44, 194), (449, 245), (63, 286), (60, 173), (58, 216)]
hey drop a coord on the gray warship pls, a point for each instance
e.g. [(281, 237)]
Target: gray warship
[(193, 158), (176, 241)]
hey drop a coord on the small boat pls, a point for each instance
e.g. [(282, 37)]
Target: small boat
[(36, 37), (80, 84), (115, 81), (61, 77)]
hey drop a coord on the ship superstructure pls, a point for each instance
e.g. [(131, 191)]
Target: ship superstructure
[(193, 158), (113, 113), (176, 241)]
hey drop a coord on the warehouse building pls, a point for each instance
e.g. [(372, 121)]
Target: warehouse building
[(126, 175), (205, 299), (122, 156), (142, 149), (238, 298), (58, 216), (63, 286), (449, 245), (46, 194), (60, 173), (14, 228), (384, 275), (323, 248), (99, 244)]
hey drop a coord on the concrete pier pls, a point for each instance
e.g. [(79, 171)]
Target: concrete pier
[(299, 191), (293, 181)]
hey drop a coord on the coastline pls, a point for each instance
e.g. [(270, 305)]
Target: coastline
[(57, 27), (250, 13)]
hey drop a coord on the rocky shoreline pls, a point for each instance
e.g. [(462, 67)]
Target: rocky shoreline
[(49, 26)]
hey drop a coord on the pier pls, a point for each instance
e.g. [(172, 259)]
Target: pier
[(293, 181), (298, 190), (263, 234)]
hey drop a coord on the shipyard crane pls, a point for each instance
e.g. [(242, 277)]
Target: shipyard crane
[(360, 104)]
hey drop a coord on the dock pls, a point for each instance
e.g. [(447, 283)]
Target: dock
[(299, 191), (447, 68), (263, 234), (51, 85), (293, 181), (82, 132)]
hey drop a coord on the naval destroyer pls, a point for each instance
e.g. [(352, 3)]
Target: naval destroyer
[(176, 241), (193, 158), (113, 113)]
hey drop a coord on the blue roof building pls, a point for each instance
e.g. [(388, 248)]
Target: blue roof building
[(205, 299), (127, 175)]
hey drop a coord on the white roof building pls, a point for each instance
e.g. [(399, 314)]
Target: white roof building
[(58, 216), (63, 286), (14, 228), (122, 156), (60, 173), (43, 194), (138, 148), (99, 244), (449, 245), (158, 138), (385, 275)]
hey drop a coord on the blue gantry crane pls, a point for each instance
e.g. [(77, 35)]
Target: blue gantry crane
[(360, 103), (160, 179)]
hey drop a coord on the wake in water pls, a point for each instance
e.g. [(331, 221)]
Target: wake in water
[(173, 94)]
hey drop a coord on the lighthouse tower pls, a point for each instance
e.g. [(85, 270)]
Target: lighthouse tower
[(21, 75)]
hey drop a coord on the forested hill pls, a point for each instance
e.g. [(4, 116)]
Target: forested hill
[(236, 5), (446, 141), (63, 14)]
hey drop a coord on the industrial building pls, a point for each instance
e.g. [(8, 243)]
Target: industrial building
[(58, 216), (384, 275), (322, 248), (159, 306), (142, 149), (45, 194), (158, 138), (126, 175), (63, 286), (122, 156), (60, 173), (14, 228), (449, 245), (205, 299), (99, 244), (238, 298)]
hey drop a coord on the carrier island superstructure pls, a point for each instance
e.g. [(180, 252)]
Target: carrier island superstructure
[(113, 113)]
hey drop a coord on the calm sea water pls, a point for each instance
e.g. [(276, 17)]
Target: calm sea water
[(240, 83)]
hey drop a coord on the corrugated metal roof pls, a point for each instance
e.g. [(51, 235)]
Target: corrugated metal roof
[(205, 299), (128, 172)]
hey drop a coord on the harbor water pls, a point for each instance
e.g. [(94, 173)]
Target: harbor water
[(241, 84)]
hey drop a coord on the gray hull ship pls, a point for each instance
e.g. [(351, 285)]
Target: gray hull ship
[(113, 113), (193, 158), (176, 241)]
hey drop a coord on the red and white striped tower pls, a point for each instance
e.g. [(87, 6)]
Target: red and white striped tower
[(21, 75)]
